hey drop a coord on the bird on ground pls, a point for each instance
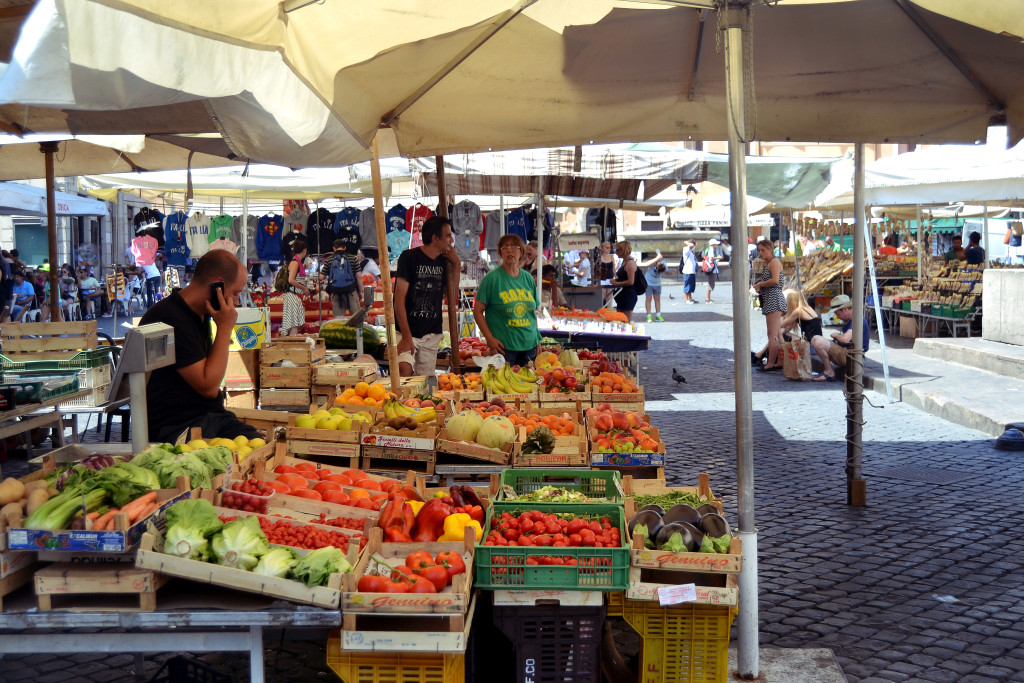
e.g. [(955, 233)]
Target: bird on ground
[(677, 377)]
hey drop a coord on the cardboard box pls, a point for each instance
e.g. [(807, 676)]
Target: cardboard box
[(908, 327), (243, 370), (240, 399)]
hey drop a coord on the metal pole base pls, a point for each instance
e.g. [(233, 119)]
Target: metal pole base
[(746, 625)]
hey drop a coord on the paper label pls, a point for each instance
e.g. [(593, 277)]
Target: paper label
[(674, 595), (510, 493)]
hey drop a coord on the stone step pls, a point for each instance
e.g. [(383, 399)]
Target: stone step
[(1005, 360)]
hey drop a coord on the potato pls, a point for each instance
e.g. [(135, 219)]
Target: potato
[(35, 499), (37, 484), (12, 509), (11, 490)]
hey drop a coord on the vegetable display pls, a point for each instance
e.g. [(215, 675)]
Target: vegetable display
[(442, 518), (681, 528), (540, 440), (535, 528), (556, 494), (421, 573)]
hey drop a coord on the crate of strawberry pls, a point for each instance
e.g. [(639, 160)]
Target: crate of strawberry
[(251, 495), (566, 547)]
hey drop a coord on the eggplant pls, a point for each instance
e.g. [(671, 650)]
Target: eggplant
[(682, 513), (698, 535), (665, 539), (656, 508), (648, 519), (708, 509), (714, 525)]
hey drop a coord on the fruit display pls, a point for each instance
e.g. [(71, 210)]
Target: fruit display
[(298, 535), (509, 379), (589, 355), (251, 495), (564, 380), (241, 445), (403, 426), (440, 519), (472, 347), (620, 431), (605, 419), (495, 406), (363, 394), (352, 487), (562, 425), (455, 382), (612, 383), (421, 572), (603, 364), (536, 528), (393, 408), (492, 431), (333, 419)]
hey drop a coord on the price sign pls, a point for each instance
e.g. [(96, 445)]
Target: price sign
[(674, 595)]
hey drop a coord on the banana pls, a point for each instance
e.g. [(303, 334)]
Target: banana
[(389, 409), (402, 410), (527, 374), (514, 382), (425, 415)]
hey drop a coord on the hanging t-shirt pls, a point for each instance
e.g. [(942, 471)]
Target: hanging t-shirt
[(175, 243), (144, 250), (225, 244), (248, 234), (398, 242), (414, 219), (467, 224), (320, 232), (150, 221), (395, 218), (347, 218), (425, 298), (368, 228), (510, 308), (269, 231), (220, 227), (515, 223), (197, 234)]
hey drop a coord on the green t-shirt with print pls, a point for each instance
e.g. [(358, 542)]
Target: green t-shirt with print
[(510, 305)]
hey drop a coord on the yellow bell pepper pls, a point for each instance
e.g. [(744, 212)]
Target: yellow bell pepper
[(455, 526), (415, 505)]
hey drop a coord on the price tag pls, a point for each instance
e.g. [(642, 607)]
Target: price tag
[(510, 493), (618, 486), (674, 595)]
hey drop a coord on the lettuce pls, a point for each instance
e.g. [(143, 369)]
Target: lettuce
[(240, 544), (278, 562), (317, 566)]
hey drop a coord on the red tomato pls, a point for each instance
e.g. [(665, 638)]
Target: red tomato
[(436, 575), (355, 475), (322, 474), (285, 469), (339, 479), (395, 587), (306, 493), (305, 466), (452, 562), (385, 484), (368, 484), (420, 585), (337, 497), (371, 584), (419, 559), (293, 481), (361, 503), (380, 497), (325, 486)]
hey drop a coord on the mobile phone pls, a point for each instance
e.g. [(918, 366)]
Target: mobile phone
[(214, 301)]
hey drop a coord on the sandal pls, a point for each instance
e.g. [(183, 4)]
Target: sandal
[(770, 368), (823, 378)]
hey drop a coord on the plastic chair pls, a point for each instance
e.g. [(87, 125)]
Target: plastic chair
[(31, 314)]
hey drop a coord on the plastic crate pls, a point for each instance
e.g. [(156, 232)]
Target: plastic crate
[(83, 360), (554, 643), (681, 643), (97, 396), (34, 389), (596, 569), (591, 483), (393, 667)]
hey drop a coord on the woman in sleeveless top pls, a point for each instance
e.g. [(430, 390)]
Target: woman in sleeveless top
[(294, 314), (606, 269), (768, 286)]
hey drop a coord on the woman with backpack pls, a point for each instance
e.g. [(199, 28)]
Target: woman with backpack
[(294, 316), (709, 264), (626, 280)]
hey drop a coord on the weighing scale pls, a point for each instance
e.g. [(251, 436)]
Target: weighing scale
[(146, 348), (359, 317)]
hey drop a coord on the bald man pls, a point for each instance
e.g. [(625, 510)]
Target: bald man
[(187, 394)]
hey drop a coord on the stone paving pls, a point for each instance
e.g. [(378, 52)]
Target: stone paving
[(926, 583)]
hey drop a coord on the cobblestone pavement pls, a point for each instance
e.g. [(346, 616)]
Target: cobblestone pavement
[(926, 583)]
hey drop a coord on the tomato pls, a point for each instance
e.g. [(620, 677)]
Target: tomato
[(339, 479), (401, 570), (306, 493), (322, 474), (293, 481), (452, 562), (362, 503), (355, 475), (395, 587), (285, 469), (420, 585), (386, 484), (575, 525), (371, 584), (380, 497), (511, 535), (306, 467), (279, 486), (575, 540), (436, 575), (419, 559), (368, 484), (336, 497), (325, 486)]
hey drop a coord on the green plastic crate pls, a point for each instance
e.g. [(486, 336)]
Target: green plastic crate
[(597, 569), (605, 484), (958, 312), (33, 389), (83, 360)]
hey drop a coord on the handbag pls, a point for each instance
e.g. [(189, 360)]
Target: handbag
[(796, 359)]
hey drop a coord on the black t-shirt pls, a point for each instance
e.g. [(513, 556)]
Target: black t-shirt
[(170, 399), (350, 236), (425, 298), (320, 232), (286, 243)]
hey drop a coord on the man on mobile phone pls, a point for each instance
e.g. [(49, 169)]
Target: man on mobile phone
[(187, 394)]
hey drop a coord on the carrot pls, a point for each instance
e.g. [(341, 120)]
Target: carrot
[(104, 520), (92, 515), (135, 508), (149, 510)]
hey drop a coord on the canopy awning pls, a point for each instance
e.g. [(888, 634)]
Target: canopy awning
[(17, 199)]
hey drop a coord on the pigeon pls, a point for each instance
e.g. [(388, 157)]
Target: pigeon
[(677, 377), (670, 295)]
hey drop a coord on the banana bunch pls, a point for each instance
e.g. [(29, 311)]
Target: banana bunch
[(504, 381), (395, 408)]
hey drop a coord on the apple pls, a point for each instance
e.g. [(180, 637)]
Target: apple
[(570, 382), (305, 422), (427, 404), (325, 422)]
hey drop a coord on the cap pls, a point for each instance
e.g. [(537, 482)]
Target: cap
[(713, 242), (840, 302)]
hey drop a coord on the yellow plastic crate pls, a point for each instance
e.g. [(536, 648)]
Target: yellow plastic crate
[(393, 667), (682, 643)]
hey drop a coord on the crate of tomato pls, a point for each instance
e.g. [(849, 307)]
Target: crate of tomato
[(570, 547)]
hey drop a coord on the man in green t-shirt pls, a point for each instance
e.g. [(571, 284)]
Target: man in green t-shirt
[(506, 305)]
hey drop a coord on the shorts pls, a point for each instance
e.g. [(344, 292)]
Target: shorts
[(689, 283), (520, 357), (712, 279), (837, 354), (423, 357), (654, 290), (341, 300)]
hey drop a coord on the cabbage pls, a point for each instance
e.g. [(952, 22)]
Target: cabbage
[(495, 432), (186, 541), (195, 512), (317, 566), (217, 458), (464, 426), (278, 562), (240, 544)]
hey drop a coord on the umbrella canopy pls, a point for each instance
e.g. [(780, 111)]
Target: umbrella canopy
[(18, 199), (469, 75)]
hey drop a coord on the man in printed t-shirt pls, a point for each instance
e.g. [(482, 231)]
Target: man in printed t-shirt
[(425, 276)]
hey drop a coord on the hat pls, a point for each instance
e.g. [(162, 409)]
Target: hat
[(840, 302), (713, 242)]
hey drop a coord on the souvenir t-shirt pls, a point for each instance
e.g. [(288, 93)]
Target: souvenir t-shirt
[(220, 227), (515, 223), (175, 243), (144, 249), (510, 305), (368, 228), (398, 242), (320, 232), (150, 221), (197, 234), (248, 234), (347, 219), (492, 232), (414, 219), (425, 298), (395, 218), (351, 234), (226, 245), (295, 217), (269, 231), (288, 239), (467, 224)]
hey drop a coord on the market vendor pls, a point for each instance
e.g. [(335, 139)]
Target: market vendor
[(187, 394), (505, 309)]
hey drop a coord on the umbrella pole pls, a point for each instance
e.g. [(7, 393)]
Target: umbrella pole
[(48, 149), (540, 244), (856, 485), (385, 267), (920, 249), (735, 23)]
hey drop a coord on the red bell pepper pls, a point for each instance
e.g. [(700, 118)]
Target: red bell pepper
[(397, 516), (429, 524)]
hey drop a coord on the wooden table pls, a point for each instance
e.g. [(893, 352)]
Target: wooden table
[(37, 415)]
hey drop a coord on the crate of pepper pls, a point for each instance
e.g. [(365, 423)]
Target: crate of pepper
[(569, 547), (251, 495)]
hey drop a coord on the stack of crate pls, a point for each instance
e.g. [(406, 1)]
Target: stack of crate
[(242, 378), (286, 371), (35, 349)]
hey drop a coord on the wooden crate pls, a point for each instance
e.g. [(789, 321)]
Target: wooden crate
[(397, 459), (655, 486), (275, 377), (715, 576), (328, 596), (243, 371), (291, 398), (345, 374), (267, 420), (574, 401), (16, 569), (473, 451), (45, 341), (513, 398), (405, 633), (71, 584), (568, 455), (245, 399), (453, 600), (323, 442), (298, 350)]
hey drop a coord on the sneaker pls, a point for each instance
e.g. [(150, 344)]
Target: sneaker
[(650, 319), (659, 318), (106, 315)]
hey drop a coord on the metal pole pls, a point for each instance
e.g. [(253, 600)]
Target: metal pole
[(734, 21), (856, 486), (920, 251), (879, 318), (796, 252), (140, 420), (540, 243), (385, 265), (49, 149), (984, 227), (245, 228)]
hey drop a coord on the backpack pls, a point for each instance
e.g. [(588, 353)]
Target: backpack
[(342, 280), (707, 264), (639, 282), (281, 279)]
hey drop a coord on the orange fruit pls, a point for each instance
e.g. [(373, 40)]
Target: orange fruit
[(354, 400), (377, 392), (361, 389), (358, 493)]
